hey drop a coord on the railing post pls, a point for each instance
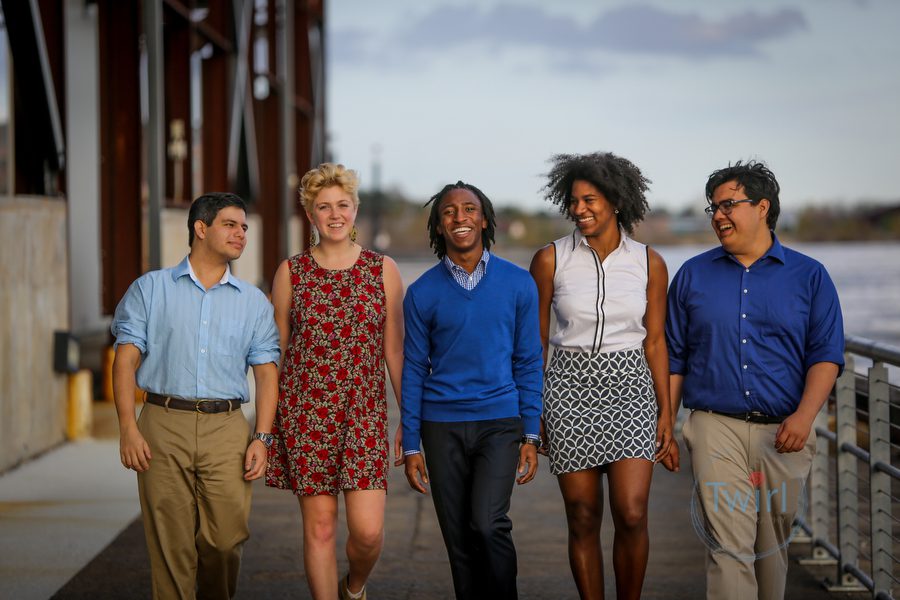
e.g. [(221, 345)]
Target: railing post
[(847, 482), (819, 503), (880, 481)]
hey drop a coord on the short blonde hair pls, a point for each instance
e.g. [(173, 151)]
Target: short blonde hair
[(327, 175)]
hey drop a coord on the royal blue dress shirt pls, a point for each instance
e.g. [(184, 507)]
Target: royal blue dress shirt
[(194, 342), (744, 337)]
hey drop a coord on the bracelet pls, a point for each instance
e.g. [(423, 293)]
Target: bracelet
[(533, 441)]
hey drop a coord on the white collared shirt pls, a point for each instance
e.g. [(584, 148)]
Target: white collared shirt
[(599, 306)]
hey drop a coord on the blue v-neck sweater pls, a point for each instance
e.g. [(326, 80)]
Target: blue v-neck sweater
[(471, 355)]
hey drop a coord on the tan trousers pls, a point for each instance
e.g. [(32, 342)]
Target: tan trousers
[(194, 500), (749, 494)]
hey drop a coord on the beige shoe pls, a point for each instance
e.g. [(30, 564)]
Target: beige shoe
[(344, 590)]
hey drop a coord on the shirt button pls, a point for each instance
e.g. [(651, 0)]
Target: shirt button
[(747, 392), (745, 366), (744, 316), (204, 322), (744, 341), (202, 350), (745, 290), (746, 270)]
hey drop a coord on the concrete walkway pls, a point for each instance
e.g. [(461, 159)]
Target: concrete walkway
[(68, 527)]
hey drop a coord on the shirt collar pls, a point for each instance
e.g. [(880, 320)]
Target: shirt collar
[(485, 257), (776, 251), (578, 239), (185, 268)]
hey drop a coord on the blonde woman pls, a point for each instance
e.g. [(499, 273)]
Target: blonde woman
[(338, 308)]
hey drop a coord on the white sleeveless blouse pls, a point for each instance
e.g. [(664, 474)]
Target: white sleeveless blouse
[(599, 306)]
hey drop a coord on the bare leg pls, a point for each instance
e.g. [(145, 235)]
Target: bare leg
[(629, 489), (365, 522), (319, 560), (582, 494)]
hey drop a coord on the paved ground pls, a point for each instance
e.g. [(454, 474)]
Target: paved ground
[(414, 564)]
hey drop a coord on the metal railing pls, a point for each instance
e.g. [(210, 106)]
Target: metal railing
[(855, 468)]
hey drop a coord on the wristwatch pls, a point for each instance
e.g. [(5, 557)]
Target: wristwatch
[(266, 438), (531, 440)]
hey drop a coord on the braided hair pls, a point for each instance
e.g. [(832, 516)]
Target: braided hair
[(436, 240)]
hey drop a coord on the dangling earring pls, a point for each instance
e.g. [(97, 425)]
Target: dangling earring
[(353, 234), (616, 211), (313, 236)]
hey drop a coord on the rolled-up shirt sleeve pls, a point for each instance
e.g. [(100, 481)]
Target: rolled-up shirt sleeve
[(825, 335), (129, 325), (264, 347)]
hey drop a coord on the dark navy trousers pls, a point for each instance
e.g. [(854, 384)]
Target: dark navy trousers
[(472, 469)]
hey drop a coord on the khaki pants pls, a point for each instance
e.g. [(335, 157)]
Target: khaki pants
[(194, 500), (749, 494)]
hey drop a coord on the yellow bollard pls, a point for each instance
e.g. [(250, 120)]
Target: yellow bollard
[(80, 407)]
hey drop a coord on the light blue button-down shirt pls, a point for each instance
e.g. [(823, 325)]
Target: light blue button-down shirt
[(194, 342)]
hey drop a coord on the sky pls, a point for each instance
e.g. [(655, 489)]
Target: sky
[(488, 91)]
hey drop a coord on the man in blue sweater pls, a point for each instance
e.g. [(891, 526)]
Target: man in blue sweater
[(471, 390)]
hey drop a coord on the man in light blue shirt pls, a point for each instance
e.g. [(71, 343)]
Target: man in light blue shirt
[(187, 335)]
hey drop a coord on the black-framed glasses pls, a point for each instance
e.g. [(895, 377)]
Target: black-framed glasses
[(726, 206)]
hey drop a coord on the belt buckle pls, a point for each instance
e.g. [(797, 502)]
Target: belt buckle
[(202, 401)]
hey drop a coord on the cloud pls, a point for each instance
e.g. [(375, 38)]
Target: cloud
[(634, 30), (649, 30), (348, 45)]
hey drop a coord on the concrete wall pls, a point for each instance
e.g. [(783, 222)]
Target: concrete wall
[(34, 302)]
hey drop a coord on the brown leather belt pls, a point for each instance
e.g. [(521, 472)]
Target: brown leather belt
[(200, 406)]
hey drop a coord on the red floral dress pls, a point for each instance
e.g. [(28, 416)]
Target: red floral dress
[(331, 423)]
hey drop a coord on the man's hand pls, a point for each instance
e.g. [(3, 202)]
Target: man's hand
[(398, 446), (671, 460), (793, 433), (134, 450), (528, 463), (415, 472), (255, 460)]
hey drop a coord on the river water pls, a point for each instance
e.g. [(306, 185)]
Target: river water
[(866, 274)]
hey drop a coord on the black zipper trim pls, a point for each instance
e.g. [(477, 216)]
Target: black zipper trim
[(598, 266)]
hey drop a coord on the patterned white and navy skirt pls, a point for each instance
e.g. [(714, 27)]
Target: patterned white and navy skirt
[(598, 408)]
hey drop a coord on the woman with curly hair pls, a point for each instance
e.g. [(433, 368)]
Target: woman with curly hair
[(606, 396), (338, 307)]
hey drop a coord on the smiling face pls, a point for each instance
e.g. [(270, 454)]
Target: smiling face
[(744, 232), (333, 213), (461, 222), (589, 208), (226, 237)]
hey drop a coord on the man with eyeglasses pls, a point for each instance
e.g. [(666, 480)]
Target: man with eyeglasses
[(755, 339)]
